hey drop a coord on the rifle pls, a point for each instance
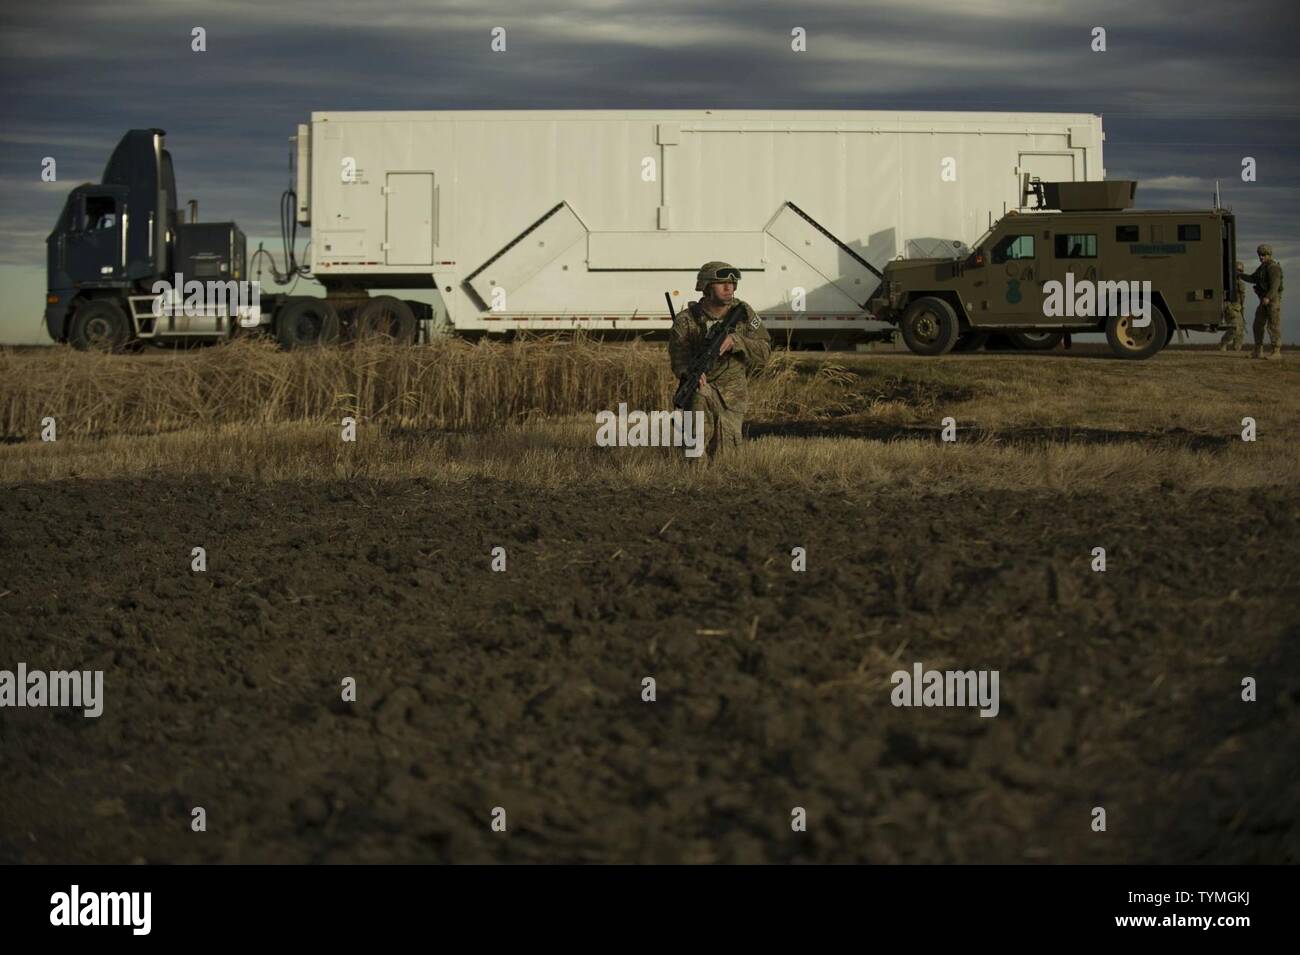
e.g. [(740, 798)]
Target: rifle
[(706, 360)]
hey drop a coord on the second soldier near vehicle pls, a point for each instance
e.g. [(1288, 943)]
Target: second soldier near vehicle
[(1236, 332), (723, 395)]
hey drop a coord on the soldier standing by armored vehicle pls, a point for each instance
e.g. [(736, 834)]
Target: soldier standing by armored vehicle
[(1236, 333), (723, 394), (1267, 280)]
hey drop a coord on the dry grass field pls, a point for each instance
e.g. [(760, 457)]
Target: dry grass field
[(522, 688), (525, 412)]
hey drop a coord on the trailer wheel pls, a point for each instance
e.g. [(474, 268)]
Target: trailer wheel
[(386, 318), (307, 322), (1136, 343), (100, 326), (972, 340), (930, 326), (1036, 341)]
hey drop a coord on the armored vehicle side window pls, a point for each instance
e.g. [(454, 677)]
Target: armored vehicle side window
[(1077, 246), (1012, 247), (1126, 233), (1189, 233)]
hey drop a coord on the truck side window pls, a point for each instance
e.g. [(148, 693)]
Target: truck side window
[(1072, 246), (77, 214), (101, 212), (1126, 233), (1011, 247), (1189, 233)]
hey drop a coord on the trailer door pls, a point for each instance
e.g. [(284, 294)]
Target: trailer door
[(409, 238), (1047, 166)]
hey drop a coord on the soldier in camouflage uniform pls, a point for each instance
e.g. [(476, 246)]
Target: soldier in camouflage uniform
[(1236, 332), (1268, 286), (723, 394)]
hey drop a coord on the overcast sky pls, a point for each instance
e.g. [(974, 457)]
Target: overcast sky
[(1186, 89)]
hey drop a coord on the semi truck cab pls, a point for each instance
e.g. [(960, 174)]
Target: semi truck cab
[(123, 267)]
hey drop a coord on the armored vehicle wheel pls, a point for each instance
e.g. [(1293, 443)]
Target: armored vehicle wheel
[(100, 326), (306, 322), (1136, 343), (929, 326), (971, 341), (1036, 341), (386, 317)]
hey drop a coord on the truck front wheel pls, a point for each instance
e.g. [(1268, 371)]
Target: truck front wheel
[(930, 326), (100, 326), (1126, 341)]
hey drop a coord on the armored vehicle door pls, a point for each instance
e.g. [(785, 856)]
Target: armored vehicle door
[(1014, 285), (1071, 257)]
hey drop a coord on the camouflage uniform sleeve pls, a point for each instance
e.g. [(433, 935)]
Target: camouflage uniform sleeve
[(753, 345), (1272, 280), (1252, 278), (680, 342)]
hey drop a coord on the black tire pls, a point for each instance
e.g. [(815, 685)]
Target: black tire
[(971, 341), (100, 325), (386, 318), (930, 326), (305, 322), (1136, 343), (1036, 341)]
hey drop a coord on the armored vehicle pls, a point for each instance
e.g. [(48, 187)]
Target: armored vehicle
[(1080, 259)]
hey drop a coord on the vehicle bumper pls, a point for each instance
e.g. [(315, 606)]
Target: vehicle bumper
[(56, 313)]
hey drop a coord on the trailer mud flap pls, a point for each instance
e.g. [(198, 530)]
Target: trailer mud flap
[(517, 262), (824, 253)]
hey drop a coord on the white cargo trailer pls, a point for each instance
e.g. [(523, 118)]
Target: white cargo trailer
[(555, 219)]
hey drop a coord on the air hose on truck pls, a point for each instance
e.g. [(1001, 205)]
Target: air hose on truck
[(288, 239)]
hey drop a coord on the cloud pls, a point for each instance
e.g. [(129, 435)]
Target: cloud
[(1165, 183), (1185, 91)]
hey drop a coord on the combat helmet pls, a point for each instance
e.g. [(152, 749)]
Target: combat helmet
[(1264, 250), (716, 272)]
